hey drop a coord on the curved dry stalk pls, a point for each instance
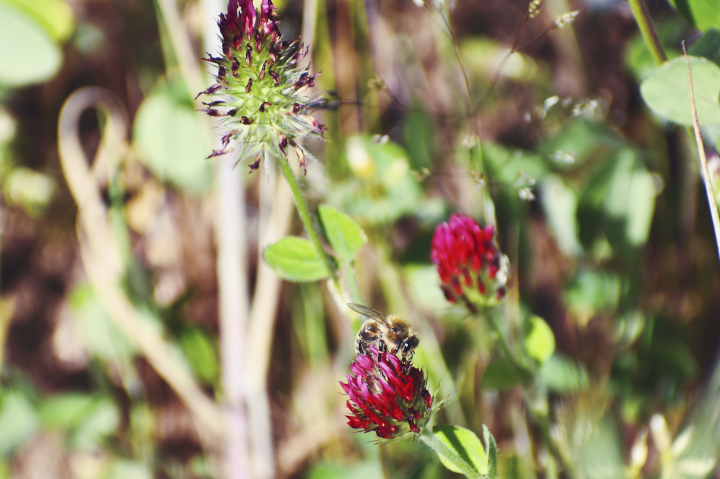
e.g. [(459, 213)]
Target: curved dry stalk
[(100, 255)]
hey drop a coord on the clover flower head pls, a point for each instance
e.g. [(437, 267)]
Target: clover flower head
[(387, 396), (257, 94), (468, 262)]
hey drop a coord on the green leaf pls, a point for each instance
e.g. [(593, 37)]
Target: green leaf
[(294, 259), (466, 444), (701, 13), (344, 235), (362, 470), (560, 374), (539, 339), (617, 204), (65, 410), (559, 204), (200, 351), (101, 421), (501, 375), (667, 92), (491, 452), (18, 421), (27, 53), (168, 135), (632, 198), (123, 469), (100, 335), (55, 16), (708, 46)]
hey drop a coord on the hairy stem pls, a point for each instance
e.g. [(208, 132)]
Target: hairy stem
[(307, 220), (642, 17), (430, 440)]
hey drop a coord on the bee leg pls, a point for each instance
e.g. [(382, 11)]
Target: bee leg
[(361, 345)]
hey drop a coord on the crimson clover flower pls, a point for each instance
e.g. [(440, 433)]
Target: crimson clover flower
[(387, 396), (258, 85), (468, 262)]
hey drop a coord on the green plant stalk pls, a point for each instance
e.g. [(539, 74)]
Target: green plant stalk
[(307, 220), (539, 418), (506, 349), (642, 17), (430, 440), (352, 282)]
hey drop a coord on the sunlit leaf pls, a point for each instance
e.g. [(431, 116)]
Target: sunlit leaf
[(123, 469), (18, 421), (617, 203), (294, 259), (466, 444), (501, 375), (27, 53), (100, 335), (701, 13), (600, 453), (200, 351), (491, 452), (363, 470), (55, 16), (667, 92), (168, 135), (560, 374), (708, 46), (559, 203), (65, 410), (343, 233), (100, 421), (539, 339)]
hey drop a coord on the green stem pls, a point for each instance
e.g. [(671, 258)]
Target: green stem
[(307, 220), (508, 352), (442, 450), (540, 418), (385, 463), (352, 282), (642, 17)]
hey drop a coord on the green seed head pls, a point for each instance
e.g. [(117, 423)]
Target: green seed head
[(258, 87)]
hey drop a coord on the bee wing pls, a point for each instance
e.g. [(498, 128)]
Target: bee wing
[(369, 312)]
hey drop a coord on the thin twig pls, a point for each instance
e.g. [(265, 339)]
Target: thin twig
[(703, 160), (485, 97)]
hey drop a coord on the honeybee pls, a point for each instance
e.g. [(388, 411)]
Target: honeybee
[(387, 333)]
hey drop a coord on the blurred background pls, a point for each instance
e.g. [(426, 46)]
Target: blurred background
[(134, 327)]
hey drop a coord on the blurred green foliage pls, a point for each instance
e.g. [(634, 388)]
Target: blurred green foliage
[(571, 148)]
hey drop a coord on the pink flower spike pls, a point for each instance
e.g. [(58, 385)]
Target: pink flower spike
[(387, 396)]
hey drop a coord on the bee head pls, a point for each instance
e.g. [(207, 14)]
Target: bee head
[(407, 347)]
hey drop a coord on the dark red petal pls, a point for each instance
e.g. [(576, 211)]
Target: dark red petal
[(428, 398), (413, 426), (355, 422)]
